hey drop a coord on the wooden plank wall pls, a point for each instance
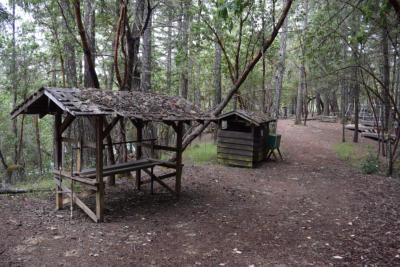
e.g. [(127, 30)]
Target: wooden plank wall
[(240, 148)]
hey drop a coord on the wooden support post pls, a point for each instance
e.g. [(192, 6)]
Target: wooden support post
[(179, 151), (110, 152), (99, 169), (152, 181), (58, 157), (79, 156), (139, 129)]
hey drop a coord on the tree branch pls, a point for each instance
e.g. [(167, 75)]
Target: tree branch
[(188, 138), (3, 161), (85, 45)]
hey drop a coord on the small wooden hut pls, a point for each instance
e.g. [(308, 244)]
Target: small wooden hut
[(66, 104), (243, 138)]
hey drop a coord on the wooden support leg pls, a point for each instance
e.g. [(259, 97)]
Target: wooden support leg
[(279, 151), (58, 157), (72, 198), (59, 196), (99, 169), (139, 130), (179, 140), (152, 181)]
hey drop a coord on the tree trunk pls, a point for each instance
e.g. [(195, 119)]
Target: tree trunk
[(263, 92), (3, 161), (20, 142), (69, 49), (133, 43), (185, 48), (149, 131), (147, 40), (343, 105), (356, 94), (89, 20), (300, 89), (169, 48), (217, 79), (386, 80), (37, 134), (318, 103), (326, 104), (280, 71), (111, 66), (14, 81), (334, 103)]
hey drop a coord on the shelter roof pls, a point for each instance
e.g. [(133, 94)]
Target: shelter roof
[(254, 117), (130, 104)]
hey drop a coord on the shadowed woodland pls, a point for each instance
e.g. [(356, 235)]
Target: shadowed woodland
[(321, 68)]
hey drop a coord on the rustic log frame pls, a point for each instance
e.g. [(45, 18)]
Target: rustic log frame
[(98, 185), (62, 102)]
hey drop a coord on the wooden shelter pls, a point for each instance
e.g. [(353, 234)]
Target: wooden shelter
[(66, 104), (243, 138)]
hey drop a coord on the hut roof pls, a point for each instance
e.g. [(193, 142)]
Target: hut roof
[(130, 104), (254, 117)]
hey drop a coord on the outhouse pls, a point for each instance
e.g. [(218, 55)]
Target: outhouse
[(243, 137)]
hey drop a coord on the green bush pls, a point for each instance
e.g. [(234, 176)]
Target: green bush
[(370, 165)]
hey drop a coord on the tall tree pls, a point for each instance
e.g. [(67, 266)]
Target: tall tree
[(147, 58), (280, 70), (217, 76), (69, 48), (185, 47), (89, 20), (169, 45), (301, 86)]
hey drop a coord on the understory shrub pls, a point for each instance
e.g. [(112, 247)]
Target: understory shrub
[(371, 164)]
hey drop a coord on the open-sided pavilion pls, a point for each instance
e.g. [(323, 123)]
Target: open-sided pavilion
[(66, 104)]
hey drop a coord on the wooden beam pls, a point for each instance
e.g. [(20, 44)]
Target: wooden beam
[(110, 126), (159, 147), (99, 169), (27, 103), (67, 121), (158, 180), (78, 202), (83, 194), (179, 141), (58, 156), (165, 163), (139, 130), (161, 177), (91, 183)]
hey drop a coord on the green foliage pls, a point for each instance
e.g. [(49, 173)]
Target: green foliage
[(347, 151), (47, 182), (204, 152), (371, 164)]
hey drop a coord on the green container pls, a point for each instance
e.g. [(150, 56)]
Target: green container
[(274, 141)]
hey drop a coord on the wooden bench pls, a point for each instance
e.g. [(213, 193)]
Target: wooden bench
[(88, 178)]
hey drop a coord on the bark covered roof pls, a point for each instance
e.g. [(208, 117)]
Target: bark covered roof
[(130, 104), (254, 117)]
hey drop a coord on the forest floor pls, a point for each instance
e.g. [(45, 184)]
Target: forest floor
[(313, 208)]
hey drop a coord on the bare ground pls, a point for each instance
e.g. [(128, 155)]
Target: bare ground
[(311, 209)]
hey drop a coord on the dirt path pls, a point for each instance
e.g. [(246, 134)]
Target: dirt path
[(311, 209)]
